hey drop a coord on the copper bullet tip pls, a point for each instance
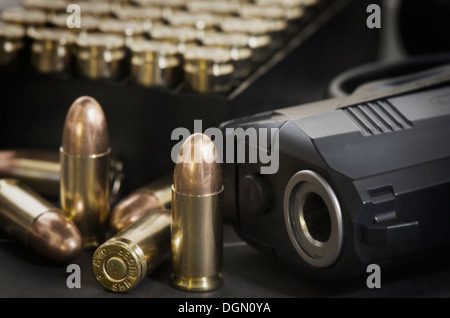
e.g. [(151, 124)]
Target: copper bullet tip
[(132, 208), (54, 236), (85, 130), (197, 171)]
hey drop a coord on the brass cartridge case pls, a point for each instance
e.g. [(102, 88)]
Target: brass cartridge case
[(51, 51), (155, 63), (100, 56), (237, 44), (85, 165), (11, 42), (156, 195), (41, 171), (85, 194), (28, 217), (208, 70), (127, 258), (197, 218)]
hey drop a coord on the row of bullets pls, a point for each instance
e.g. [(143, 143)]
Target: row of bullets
[(207, 45), (178, 218)]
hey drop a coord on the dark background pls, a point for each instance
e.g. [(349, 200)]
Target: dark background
[(141, 121)]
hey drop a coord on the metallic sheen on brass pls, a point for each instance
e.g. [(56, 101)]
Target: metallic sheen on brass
[(155, 63), (51, 50), (208, 69), (196, 233), (143, 201), (85, 165), (27, 216), (40, 170), (100, 56), (127, 258)]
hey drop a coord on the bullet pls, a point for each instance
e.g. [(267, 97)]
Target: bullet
[(259, 33), (51, 50), (197, 220), (11, 42), (208, 69), (156, 195), (37, 223), (40, 170), (123, 261), (85, 165), (100, 56), (237, 44), (155, 63)]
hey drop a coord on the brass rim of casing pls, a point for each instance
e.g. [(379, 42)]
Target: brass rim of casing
[(125, 251)]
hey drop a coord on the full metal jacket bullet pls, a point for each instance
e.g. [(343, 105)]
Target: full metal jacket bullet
[(27, 216), (85, 165), (196, 233)]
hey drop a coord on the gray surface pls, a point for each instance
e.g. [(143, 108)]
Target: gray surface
[(247, 274)]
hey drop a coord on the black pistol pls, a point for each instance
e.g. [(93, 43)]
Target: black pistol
[(363, 179)]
